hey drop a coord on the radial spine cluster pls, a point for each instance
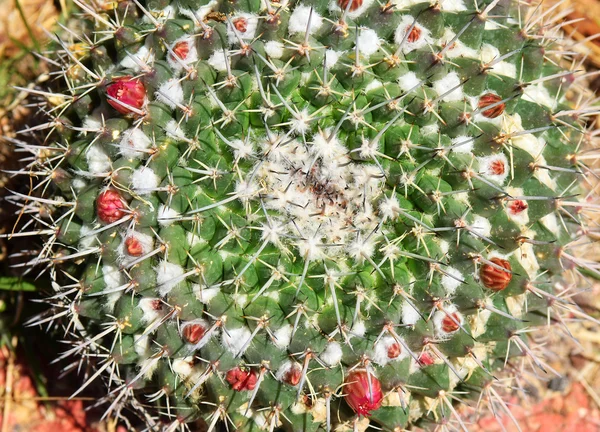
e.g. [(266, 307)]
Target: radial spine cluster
[(306, 215)]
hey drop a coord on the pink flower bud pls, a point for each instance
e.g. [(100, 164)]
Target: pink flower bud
[(109, 206), (241, 379), (133, 247), (193, 333), (363, 392), (127, 90)]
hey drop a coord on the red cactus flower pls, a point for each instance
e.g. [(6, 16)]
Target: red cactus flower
[(241, 379), (133, 247), (363, 392), (495, 278), (193, 333), (127, 90), (109, 206)]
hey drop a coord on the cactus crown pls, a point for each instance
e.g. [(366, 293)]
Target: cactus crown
[(310, 215)]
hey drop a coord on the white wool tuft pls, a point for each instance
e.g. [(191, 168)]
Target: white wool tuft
[(331, 58), (451, 280), (482, 226), (408, 81), (358, 329), (446, 84), (170, 93), (168, 276), (166, 215), (453, 6), (205, 295), (299, 20), (410, 315), (332, 355), (368, 41), (183, 367), (233, 34), (283, 336), (217, 60), (274, 49), (142, 344), (139, 60), (380, 351), (199, 14), (463, 144), (486, 163), (399, 36), (151, 313), (174, 130), (489, 53), (97, 160), (234, 339), (144, 181), (133, 142), (112, 277), (86, 241)]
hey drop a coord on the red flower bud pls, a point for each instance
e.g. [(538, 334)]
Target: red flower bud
[(241, 379), (293, 375), (355, 4), (363, 392), (109, 206), (451, 322), (495, 278), (487, 100), (414, 35), (394, 350), (127, 90), (133, 247), (497, 167), (517, 206), (241, 24), (181, 49), (193, 333), (425, 359)]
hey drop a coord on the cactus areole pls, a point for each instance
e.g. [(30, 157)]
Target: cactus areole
[(306, 215)]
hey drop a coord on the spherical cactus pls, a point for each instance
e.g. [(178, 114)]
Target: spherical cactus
[(308, 215)]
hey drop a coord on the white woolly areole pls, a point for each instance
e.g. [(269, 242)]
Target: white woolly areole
[(489, 167), (86, 241), (457, 48), (332, 354), (142, 59), (247, 24), (274, 49), (183, 367), (170, 93), (166, 215), (410, 315), (133, 143), (285, 368), (144, 240), (451, 279), (358, 329), (331, 58), (217, 60), (450, 83), (110, 301), (481, 226), (453, 5), (112, 277), (408, 81), (168, 276), (173, 130), (440, 316), (528, 142), (144, 181), (151, 309), (283, 336), (423, 40), (142, 344), (368, 41), (204, 294), (176, 62), (526, 256), (405, 4), (97, 160), (549, 221), (233, 340), (381, 350), (199, 14), (539, 94), (299, 20), (462, 144), (489, 53), (478, 321)]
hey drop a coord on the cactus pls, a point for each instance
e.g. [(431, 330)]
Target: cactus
[(311, 215)]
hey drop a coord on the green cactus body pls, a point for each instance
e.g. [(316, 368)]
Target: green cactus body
[(306, 215)]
